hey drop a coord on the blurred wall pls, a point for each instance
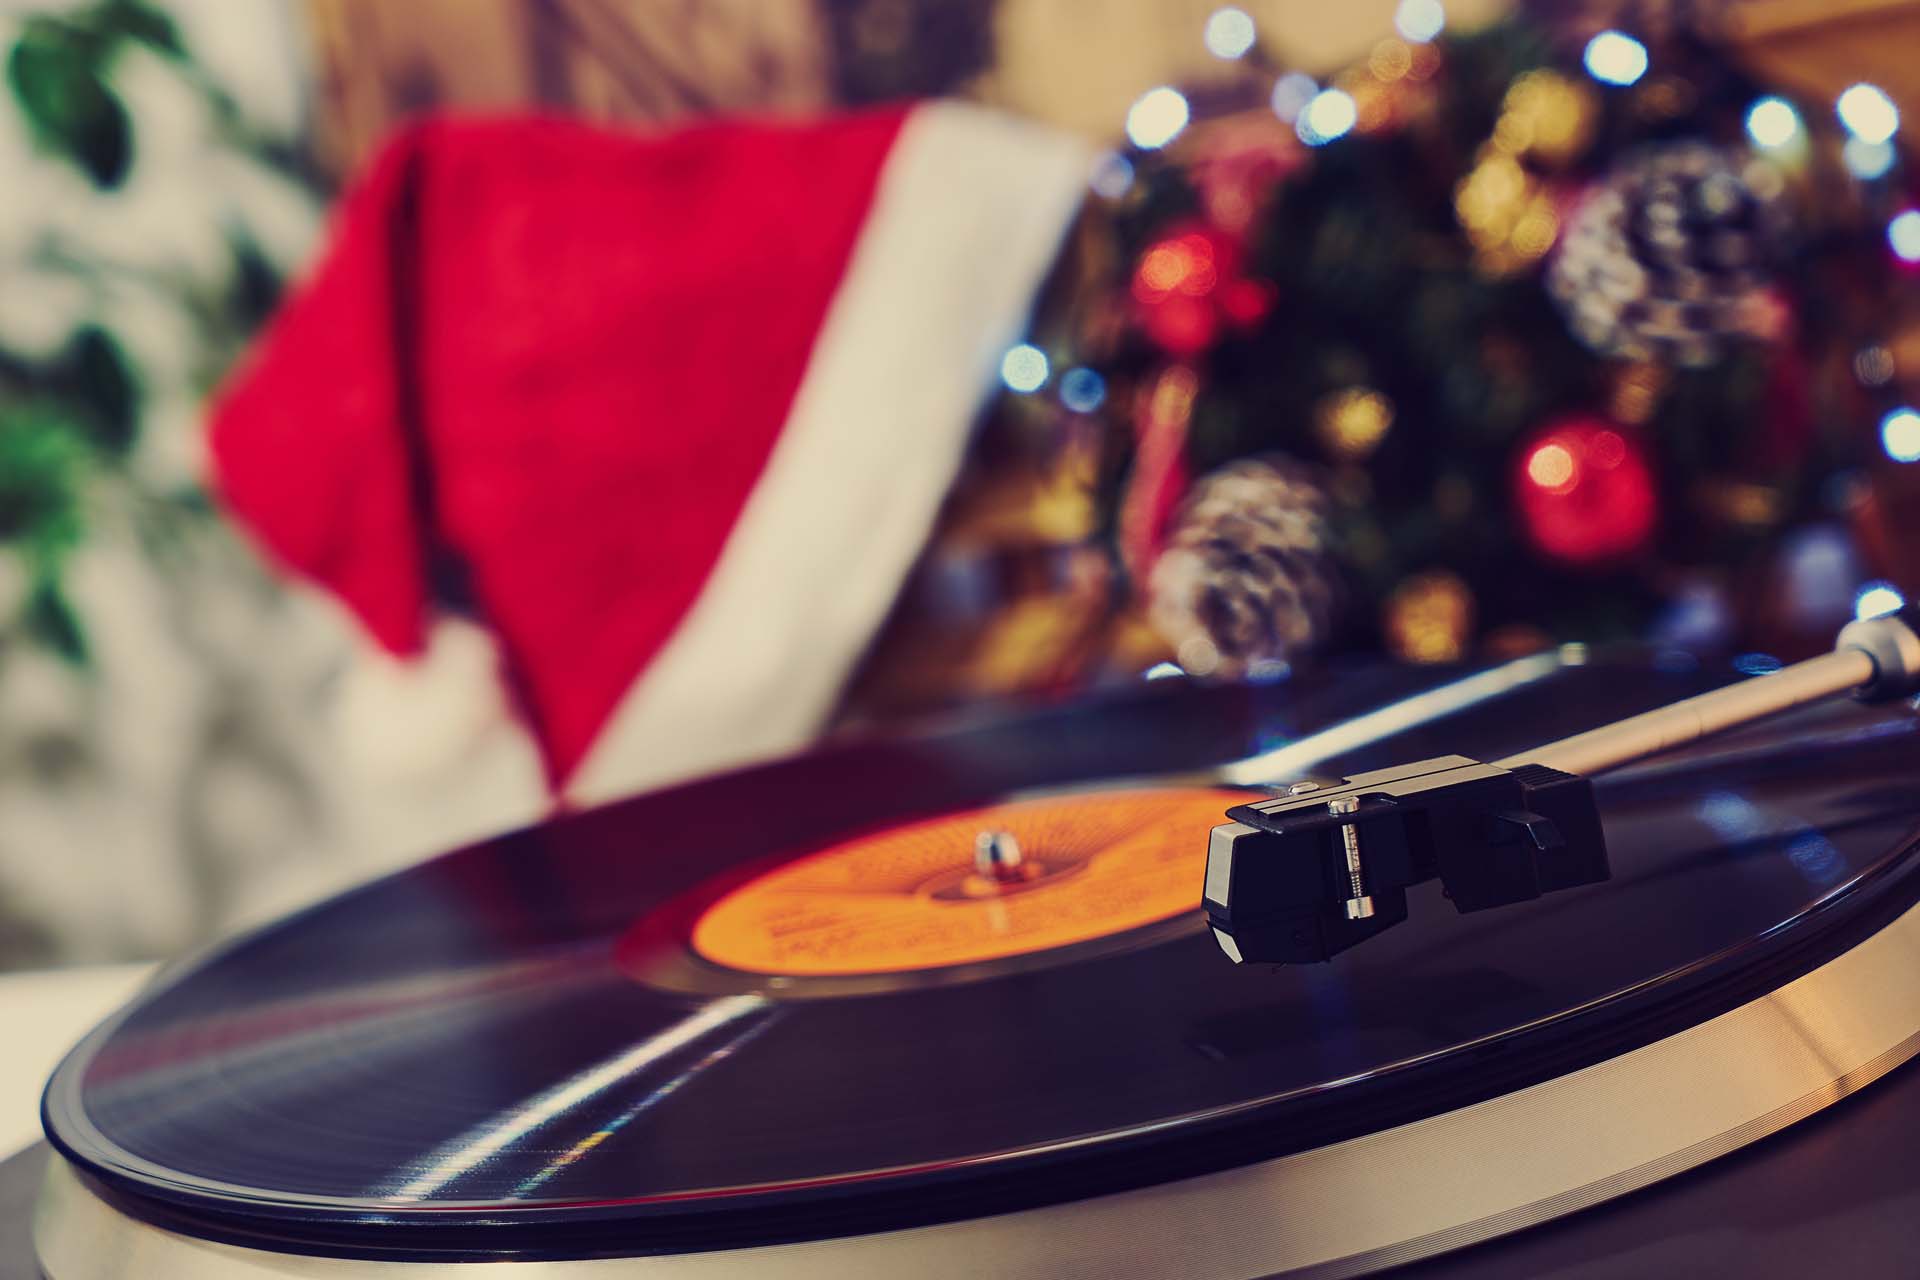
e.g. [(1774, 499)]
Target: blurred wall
[(1075, 63)]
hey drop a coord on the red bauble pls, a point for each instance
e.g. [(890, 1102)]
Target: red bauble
[(1188, 284), (1181, 326), (1585, 492)]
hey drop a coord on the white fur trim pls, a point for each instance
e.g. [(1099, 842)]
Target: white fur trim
[(968, 215)]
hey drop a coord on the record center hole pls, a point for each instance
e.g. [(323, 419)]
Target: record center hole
[(996, 855), (1000, 867)]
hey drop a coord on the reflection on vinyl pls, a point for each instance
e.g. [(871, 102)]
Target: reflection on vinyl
[(884, 986)]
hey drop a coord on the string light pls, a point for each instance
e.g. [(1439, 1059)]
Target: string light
[(1351, 423), (1291, 94), (1868, 113), (1773, 123), (1082, 390), (1867, 160), (1903, 234), (1877, 599), (1614, 57), (1420, 20), (1327, 115), (1024, 368), (1873, 365), (1229, 34), (1551, 467), (1156, 118), (1112, 175), (1900, 435)]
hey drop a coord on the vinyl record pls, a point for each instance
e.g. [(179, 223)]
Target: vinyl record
[(794, 1003)]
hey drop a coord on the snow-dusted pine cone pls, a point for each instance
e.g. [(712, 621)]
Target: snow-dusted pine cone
[(1664, 258), (1247, 577)]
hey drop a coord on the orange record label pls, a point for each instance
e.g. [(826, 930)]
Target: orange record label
[(1052, 872)]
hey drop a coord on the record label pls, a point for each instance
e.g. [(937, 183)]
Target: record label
[(915, 896)]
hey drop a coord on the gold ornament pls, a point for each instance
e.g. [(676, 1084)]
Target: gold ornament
[(1507, 214), (1425, 60), (1637, 388), (1351, 423), (1506, 210), (1390, 60), (1546, 117), (1429, 618), (1388, 88), (1373, 103)]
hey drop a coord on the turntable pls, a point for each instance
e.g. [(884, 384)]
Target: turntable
[(952, 1005)]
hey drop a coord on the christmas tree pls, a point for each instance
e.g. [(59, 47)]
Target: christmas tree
[(1555, 335)]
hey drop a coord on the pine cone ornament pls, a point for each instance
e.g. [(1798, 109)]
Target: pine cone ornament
[(1666, 257), (1247, 577)]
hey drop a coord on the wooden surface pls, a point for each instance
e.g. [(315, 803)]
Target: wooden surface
[(628, 60), (1076, 64), (1813, 49)]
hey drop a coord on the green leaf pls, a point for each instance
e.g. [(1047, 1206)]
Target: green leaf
[(42, 465), (56, 70), (137, 21), (105, 385), (256, 287), (49, 618)]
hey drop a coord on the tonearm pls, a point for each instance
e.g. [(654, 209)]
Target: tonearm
[(1326, 865)]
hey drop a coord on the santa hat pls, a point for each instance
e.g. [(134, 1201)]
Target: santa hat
[(670, 415)]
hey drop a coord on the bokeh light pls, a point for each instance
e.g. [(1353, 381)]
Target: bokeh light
[(1772, 122), (1327, 115), (1420, 20), (1757, 664), (1429, 618), (1877, 599), (1024, 368), (1179, 264), (1900, 435), (1291, 94), (1082, 390), (1229, 34), (1583, 494), (1351, 422), (1868, 113), (1157, 117), (1867, 160), (1614, 57), (1873, 365), (1550, 467), (1112, 175), (1903, 235)]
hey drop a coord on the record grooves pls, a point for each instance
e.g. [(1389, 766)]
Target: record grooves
[(600, 1109), (1202, 1145)]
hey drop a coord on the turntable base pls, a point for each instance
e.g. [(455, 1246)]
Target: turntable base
[(1351, 1208), (545, 1049), (1837, 1193)]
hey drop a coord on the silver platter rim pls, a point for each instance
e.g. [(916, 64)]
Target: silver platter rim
[(1351, 1207)]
